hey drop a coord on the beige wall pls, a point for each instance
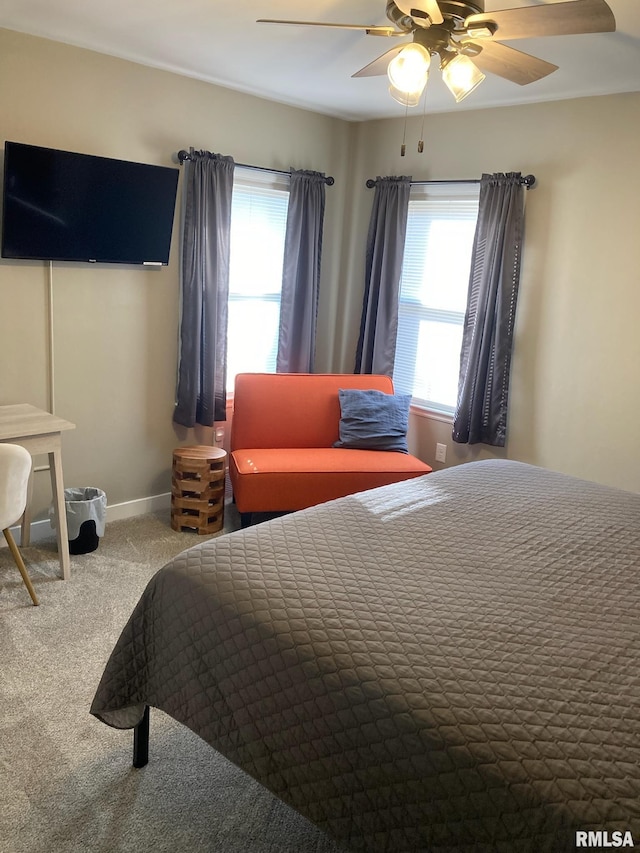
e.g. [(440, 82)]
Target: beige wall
[(116, 327), (575, 389), (574, 404)]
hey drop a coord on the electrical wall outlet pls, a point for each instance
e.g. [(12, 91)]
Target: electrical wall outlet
[(441, 452)]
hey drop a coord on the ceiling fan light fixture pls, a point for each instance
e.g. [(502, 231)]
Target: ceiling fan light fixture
[(461, 76), (407, 99), (408, 71)]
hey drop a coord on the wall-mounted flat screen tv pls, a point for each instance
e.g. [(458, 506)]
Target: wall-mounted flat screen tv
[(62, 206)]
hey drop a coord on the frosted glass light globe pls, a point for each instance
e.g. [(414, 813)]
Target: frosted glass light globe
[(408, 71)]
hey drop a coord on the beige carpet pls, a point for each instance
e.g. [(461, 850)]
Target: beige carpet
[(66, 779)]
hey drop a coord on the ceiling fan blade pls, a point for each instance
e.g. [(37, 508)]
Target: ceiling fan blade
[(513, 65), (553, 19), (372, 30), (422, 9), (379, 66)]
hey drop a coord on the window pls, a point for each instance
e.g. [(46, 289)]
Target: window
[(258, 224), (433, 292)]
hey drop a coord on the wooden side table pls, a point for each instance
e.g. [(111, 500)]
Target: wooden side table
[(197, 489)]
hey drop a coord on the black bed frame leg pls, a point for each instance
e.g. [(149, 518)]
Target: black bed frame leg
[(141, 740)]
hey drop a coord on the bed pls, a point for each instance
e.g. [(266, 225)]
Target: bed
[(444, 664)]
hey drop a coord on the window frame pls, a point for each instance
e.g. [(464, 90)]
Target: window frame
[(441, 192), (257, 179)]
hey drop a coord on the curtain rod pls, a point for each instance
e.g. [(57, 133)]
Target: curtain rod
[(529, 181), (184, 155)]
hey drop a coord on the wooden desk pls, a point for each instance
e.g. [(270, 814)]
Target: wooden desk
[(40, 432)]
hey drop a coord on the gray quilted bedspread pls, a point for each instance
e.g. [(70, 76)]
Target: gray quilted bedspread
[(446, 664)]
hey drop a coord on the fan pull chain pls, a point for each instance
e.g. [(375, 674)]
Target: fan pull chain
[(424, 113), (403, 147)]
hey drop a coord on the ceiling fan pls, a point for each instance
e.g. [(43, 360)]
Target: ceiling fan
[(468, 41)]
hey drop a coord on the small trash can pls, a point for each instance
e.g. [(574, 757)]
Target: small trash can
[(86, 513)]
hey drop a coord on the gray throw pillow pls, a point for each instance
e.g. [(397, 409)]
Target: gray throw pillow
[(373, 420)]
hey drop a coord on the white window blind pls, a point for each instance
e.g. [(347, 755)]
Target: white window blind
[(258, 224), (433, 292)]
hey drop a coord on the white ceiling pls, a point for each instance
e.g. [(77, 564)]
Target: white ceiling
[(312, 67)]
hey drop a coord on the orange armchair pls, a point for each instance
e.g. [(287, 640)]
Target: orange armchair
[(282, 434)]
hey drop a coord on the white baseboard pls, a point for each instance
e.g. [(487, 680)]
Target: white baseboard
[(41, 530), (142, 506)]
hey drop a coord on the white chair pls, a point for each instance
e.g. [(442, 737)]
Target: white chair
[(15, 468)]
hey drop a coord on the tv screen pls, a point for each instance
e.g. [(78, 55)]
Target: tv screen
[(61, 206)]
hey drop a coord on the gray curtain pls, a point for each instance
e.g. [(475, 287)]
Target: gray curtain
[(481, 413), (206, 224), (385, 249), (301, 273)]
